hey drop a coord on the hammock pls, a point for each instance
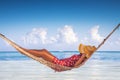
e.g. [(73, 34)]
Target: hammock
[(56, 67)]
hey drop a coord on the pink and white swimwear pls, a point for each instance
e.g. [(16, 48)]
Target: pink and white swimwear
[(70, 62)]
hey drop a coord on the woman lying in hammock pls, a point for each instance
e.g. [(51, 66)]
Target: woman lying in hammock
[(73, 61)]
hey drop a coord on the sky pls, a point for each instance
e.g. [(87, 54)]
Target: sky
[(59, 25)]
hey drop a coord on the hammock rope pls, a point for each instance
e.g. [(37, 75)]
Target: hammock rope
[(56, 67), (117, 27)]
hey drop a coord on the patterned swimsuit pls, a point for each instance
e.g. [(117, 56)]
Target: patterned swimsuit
[(70, 62)]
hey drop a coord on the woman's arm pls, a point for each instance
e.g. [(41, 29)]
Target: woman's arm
[(82, 58)]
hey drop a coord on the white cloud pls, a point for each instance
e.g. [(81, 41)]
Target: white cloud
[(85, 40), (36, 36), (95, 35), (67, 35), (64, 35)]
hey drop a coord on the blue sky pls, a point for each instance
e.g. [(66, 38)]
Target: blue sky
[(59, 24)]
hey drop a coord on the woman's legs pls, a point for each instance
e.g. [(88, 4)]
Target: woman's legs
[(41, 53)]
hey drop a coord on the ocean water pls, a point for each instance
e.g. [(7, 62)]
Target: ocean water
[(103, 65)]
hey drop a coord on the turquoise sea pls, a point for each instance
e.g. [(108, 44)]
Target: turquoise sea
[(103, 65)]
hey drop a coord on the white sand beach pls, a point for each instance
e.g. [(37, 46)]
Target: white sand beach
[(32, 70)]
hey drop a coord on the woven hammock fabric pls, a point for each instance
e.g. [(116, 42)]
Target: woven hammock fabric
[(56, 67)]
